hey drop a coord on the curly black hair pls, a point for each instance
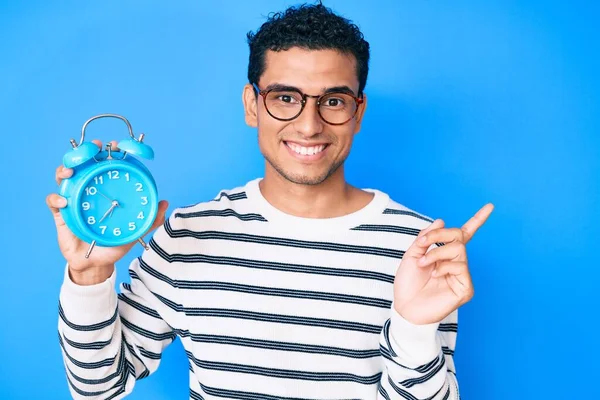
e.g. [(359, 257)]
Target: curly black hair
[(312, 27)]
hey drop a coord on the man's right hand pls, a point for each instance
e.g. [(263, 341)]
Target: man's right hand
[(100, 264)]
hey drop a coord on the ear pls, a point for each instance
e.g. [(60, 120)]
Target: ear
[(250, 105), (360, 113)]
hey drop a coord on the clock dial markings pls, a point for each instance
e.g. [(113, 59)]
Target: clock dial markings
[(133, 202)]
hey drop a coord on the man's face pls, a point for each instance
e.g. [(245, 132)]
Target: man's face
[(306, 150)]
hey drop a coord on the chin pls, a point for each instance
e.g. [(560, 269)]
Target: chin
[(304, 177)]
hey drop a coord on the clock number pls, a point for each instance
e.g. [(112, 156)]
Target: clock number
[(132, 226), (90, 191), (144, 200), (103, 228), (127, 176), (91, 220), (139, 187), (113, 174), (99, 180), (85, 205), (140, 215), (117, 232)]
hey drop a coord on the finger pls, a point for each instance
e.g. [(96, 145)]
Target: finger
[(473, 224), (62, 173), (462, 287), (442, 235), (450, 268), (113, 144), (417, 249), (438, 223), (160, 216), (454, 251), (55, 202)]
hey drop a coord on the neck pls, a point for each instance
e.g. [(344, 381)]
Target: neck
[(332, 198)]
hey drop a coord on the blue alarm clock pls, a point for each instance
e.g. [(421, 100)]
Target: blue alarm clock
[(112, 198)]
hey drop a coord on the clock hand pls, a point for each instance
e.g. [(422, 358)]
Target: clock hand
[(103, 195), (110, 210), (116, 203)]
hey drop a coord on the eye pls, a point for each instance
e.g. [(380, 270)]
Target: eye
[(284, 98), (335, 101)]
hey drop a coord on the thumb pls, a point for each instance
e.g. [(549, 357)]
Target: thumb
[(55, 202), (160, 216), (418, 249)]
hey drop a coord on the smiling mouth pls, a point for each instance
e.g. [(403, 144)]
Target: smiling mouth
[(306, 150)]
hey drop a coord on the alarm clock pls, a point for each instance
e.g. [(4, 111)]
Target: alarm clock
[(112, 198)]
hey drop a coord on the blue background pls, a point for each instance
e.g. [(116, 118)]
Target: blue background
[(469, 102)]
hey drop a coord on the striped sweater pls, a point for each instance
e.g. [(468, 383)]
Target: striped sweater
[(267, 306)]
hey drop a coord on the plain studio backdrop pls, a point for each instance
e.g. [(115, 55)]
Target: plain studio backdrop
[(469, 102)]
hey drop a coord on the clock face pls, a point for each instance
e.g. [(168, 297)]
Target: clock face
[(116, 204)]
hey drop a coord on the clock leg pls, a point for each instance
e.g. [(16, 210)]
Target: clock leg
[(87, 255), (143, 243)]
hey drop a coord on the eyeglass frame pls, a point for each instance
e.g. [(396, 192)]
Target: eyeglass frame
[(358, 100)]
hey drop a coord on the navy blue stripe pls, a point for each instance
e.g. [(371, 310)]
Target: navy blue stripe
[(386, 336), (120, 390), (429, 366), (119, 371), (384, 393), (85, 365), (387, 228), (447, 351), (400, 391), (269, 265), (285, 242), (447, 395), (141, 308), (284, 373), (421, 368), (149, 354), (133, 353), (146, 333), (404, 212), (272, 318), (228, 212), (87, 346), (92, 327), (386, 354), (195, 395), (143, 375), (231, 196), (266, 291), (448, 327), (119, 385), (281, 346), (239, 395), (439, 363)]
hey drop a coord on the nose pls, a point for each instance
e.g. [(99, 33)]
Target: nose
[(309, 123)]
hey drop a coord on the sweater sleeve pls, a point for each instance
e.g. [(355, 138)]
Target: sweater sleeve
[(109, 340), (418, 359)]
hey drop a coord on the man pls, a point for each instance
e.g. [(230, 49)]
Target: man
[(294, 286)]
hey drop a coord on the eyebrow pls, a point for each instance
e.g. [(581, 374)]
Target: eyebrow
[(335, 89)]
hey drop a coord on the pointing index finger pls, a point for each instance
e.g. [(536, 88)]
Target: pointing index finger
[(473, 224)]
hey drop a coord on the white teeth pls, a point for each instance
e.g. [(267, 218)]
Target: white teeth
[(306, 150)]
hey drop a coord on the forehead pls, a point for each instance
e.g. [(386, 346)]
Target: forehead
[(310, 70)]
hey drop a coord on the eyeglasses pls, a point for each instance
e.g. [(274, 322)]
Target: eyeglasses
[(287, 103)]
